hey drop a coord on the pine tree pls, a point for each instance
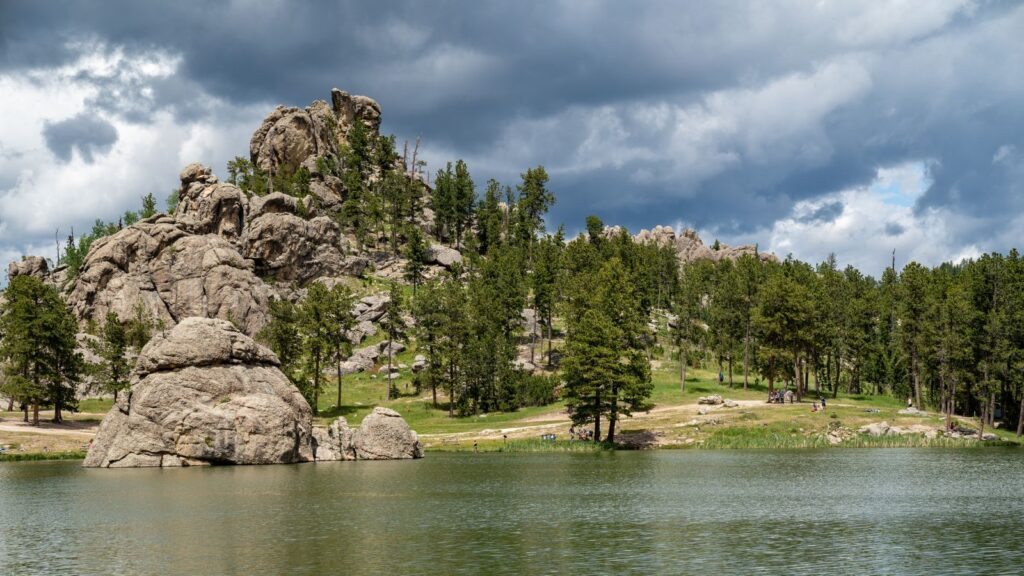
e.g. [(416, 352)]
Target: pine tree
[(429, 313), (339, 322), (490, 218), (282, 334), (315, 323), (112, 349), (416, 250), (394, 326), (463, 201), (38, 346)]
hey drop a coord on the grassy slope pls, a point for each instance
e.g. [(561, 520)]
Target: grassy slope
[(669, 424), (750, 426)]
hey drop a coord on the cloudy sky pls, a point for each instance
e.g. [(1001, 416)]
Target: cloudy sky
[(854, 127)]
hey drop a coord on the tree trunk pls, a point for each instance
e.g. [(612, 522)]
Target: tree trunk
[(316, 383), (917, 383), (992, 408), (338, 403), (10, 404), (57, 418), (798, 378), (746, 356), (597, 417), (613, 416), (730, 370), (984, 416), (549, 342), (834, 378), (533, 336), (390, 342), (1020, 418), (682, 369), (451, 390), (35, 413)]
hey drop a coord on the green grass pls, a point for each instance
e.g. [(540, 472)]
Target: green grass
[(528, 446), (95, 405), (34, 456)]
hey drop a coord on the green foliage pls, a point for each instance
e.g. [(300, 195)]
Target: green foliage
[(172, 201), (112, 347), (248, 177), (38, 346), (416, 249), (148, 206)]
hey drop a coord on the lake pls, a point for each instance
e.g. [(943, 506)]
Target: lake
[(840, 511)]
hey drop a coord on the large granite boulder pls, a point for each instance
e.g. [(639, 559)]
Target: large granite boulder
[(689, 247), (443, 255), (29, 266), (383, 435), (172, 274), (291, 248), (206, 206), (289, 135), (204, 393), (292, 137)]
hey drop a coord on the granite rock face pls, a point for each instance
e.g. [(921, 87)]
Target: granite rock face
[(173, 274), (204, 393), (29, 266), (690, 248), (383, 435)]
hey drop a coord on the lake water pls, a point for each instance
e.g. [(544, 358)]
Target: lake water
[(840, 511)]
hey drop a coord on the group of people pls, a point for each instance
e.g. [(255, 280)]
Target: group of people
[(787, 396), (580, 434)]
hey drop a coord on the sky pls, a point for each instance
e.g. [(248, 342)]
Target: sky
[(813, 127)]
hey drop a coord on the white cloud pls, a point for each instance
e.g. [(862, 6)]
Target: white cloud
[(875, 220), (881, 22), (682, 143), (40, 196)]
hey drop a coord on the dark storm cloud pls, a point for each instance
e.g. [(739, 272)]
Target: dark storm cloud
[(511, 84), (823, 214), (894, 229), (84, 132)]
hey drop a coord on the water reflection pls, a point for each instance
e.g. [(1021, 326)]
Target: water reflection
[(802, 512)]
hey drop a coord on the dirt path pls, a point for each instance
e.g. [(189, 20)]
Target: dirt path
[(83, 429), (554, 420)]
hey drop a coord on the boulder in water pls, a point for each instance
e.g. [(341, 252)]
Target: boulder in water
[(205, 393), (383, 435)]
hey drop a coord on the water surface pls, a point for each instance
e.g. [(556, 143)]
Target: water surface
[(909, 511)]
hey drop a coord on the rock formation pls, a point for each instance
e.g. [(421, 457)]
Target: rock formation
[(383, 435), (28, 266), (292, 137), (691, 248), (204, 393), (172, 273)]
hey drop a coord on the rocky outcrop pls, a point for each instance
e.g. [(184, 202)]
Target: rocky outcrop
[(383, 435), (290, 248), (204, 393), (29, 266), (206, 206), (443, 256), (292, 137), (289, 135), (690, 248), (172, 274)]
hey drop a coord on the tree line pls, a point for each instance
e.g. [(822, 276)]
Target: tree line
[(948, 338), (602, 306)]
